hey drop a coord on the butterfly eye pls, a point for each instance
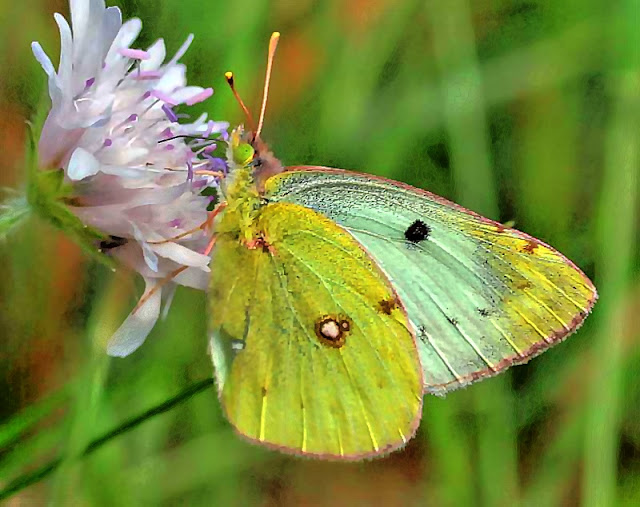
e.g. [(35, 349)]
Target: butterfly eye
[(243, 154)]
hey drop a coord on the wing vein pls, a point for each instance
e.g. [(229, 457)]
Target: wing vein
[(284, 286), (464, 335), (356, 294)]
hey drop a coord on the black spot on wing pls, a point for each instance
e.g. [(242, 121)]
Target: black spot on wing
[(418, 231)]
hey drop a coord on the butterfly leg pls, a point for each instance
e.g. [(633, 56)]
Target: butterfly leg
[(211, 215), (171, 275), (210, 245), (205, 172)]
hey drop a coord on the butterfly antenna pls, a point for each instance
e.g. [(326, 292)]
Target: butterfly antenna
[(229, 77), (273, 44)]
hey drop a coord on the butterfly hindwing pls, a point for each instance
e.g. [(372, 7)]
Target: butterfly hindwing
[(311, 352), (480, 296)]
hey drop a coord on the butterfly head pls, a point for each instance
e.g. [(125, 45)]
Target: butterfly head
[(240, 153), (248, 151)]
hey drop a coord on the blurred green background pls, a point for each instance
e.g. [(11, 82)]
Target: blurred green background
[(521, 110)]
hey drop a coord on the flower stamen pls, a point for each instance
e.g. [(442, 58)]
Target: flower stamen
[(135, 54), (171, 116), (167, 99), (199, 97)]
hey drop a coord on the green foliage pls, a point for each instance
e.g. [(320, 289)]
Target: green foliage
[(523, 110), (49, 195), (12, 213)]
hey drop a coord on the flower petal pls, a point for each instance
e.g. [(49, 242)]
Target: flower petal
[(84, 14), (183, 49), (174, 78), (128, 33), (111, 23), (168, 299), (182, 255), (82, 164), (90, 39), (137, 326), (42, 58), (194, 278), (157, 53), (65, 68), (150, 256)]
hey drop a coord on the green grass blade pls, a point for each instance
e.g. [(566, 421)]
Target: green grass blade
[(472, 167), (617, 246), (48, 468)]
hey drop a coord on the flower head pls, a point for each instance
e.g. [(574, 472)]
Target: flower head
[(134, 176)]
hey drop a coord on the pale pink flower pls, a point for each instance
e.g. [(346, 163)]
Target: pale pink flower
[(113, 130)]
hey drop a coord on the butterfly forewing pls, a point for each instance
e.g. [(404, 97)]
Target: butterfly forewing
[(312, 353), (480, 296)]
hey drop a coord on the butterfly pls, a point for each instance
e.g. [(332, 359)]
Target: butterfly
[(339, 298)]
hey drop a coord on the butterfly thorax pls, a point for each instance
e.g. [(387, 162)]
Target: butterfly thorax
[(240, 191), (243, 205)]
